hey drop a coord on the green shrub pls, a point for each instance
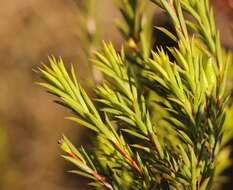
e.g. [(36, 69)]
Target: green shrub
[(160, 123)]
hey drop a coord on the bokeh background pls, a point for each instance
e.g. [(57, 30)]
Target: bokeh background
[(30, 124)]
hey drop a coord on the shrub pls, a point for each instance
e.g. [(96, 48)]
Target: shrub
[(160, 123)]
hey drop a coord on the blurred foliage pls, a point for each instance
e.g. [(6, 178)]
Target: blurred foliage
[(89, 35), (3, 155)]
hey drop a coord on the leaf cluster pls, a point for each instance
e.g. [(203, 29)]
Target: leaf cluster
[(181, 150)]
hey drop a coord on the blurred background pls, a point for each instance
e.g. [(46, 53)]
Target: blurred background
[(30, 123)]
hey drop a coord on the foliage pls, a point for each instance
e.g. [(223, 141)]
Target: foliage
[(186, 147), (3, 155), (89, 36)]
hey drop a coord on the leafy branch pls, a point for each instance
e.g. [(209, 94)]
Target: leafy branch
[(133, 150)]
